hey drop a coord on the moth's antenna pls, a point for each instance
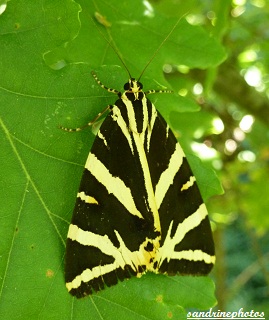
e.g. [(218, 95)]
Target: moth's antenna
[(113, 48), (158, 49)]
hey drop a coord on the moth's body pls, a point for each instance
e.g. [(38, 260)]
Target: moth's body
[(138, 208)]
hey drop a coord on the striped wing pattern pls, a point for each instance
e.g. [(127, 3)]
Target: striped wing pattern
[(138, 208)]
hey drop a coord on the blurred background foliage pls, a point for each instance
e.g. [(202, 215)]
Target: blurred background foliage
[(234, 99)]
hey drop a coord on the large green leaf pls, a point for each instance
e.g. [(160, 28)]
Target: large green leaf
[(48, 49)]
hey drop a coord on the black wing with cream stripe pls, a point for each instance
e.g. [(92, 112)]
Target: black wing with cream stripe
[(186, 245), (138, 208)]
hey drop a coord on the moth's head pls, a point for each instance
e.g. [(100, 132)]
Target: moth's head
[(133, 86)]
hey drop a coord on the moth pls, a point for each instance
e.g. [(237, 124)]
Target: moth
[(138, 208)]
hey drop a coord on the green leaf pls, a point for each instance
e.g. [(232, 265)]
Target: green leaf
[(48, 50), (207, 179)]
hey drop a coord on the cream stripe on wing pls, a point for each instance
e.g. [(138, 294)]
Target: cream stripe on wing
[(88, 199), (167, 251), (88, 238), (100, 135), (188, 184), (114, 185), (122, 255), (139, 142), (151, 125), (167, 176), (194, 255), (116, 116)]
